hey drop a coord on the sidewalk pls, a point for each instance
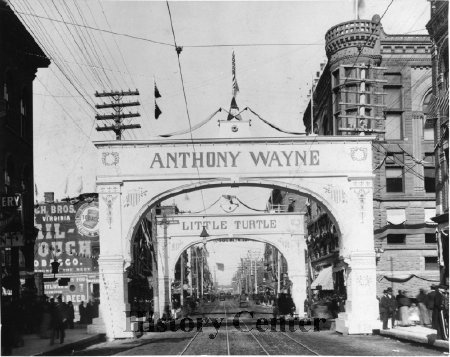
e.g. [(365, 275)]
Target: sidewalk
[(416, 333), (75, 339)]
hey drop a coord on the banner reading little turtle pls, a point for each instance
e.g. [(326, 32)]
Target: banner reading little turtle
[(69, 233)]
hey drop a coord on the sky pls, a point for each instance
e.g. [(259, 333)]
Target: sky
[(278, 48)]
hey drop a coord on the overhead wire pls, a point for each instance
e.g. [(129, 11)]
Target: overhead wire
[(178, 51), (130, 76)]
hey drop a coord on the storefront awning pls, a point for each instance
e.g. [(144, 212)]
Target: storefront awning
[(324, 279)]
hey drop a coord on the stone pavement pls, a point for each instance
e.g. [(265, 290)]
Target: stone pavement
[(75, 339), (416, 333)]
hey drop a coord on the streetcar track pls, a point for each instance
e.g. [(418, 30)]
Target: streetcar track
[(228, 348), (259, 343), (189, 343), (299, 343)]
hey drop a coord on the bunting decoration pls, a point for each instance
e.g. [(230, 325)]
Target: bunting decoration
[(158, 111)]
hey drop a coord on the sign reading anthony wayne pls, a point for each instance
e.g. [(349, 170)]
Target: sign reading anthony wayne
[(184, 159), (289, 157), (234, 224)]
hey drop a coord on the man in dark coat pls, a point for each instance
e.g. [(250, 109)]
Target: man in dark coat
[(59, 319), (388, 306), (439, 318)]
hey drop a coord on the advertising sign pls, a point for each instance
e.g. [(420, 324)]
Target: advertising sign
[(10, 220), (75, 291), (68, 233)]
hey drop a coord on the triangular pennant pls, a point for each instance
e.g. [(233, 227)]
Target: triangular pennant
[(157, 94), (158, 111)]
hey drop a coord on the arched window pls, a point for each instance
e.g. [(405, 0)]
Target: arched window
[(26, 175), (9, 174), (23, 112), (428, 129), (7, 90)]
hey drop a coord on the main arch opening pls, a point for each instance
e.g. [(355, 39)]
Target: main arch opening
[(188, 293)]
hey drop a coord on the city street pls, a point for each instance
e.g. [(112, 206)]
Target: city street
[(230, 341)]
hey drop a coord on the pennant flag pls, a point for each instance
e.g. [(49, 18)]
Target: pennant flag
[(157, 94), (233, 72), (158, 111), (234, 110), (220, 266)]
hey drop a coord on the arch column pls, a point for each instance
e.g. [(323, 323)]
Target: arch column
[(163, 295), (114, 306), (295, 257), (361, 314)]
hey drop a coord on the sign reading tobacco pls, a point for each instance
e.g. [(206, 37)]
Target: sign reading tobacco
[(68, 233)]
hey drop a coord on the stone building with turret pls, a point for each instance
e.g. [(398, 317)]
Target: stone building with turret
[(437, 119), (380, 85)]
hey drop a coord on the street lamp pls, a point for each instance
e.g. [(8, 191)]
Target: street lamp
[(204, 234)]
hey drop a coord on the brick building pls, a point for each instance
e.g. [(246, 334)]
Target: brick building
[(19, 61), (381, 85), (437, 119)]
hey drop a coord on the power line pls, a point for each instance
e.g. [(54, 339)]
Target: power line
[(178, 50)]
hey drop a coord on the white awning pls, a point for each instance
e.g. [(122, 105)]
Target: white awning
[(396, 216), (324, 279)]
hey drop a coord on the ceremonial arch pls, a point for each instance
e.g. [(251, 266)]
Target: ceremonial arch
[(284, 231), (133, 176)]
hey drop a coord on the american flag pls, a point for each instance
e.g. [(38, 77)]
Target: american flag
[(233, 71)]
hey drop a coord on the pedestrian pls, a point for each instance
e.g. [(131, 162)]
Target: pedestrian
[(82, 312), (424, 316), (46, 321), (59, 319), (430, 301), (89, 312), (403, 303), (440, 312), (385, 309), (70, 315)]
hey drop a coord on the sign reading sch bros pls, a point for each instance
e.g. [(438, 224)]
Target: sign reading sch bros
[(178, 157)]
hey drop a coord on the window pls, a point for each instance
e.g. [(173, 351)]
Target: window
[(430, 238), (428, 130), (431, 263), (394, 106), (393, 126), (23, 113), (393, 98), (396, 238), (394, 172), (429, 173)]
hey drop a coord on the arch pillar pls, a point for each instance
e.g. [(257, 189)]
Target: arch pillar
[(114, 307), (295, 257), (163, 298)]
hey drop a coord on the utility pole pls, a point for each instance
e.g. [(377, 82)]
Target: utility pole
[(117, 105), (201, 272), (182, 279)]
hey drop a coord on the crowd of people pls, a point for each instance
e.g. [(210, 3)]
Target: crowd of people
[(427, 309), (46, 317)]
